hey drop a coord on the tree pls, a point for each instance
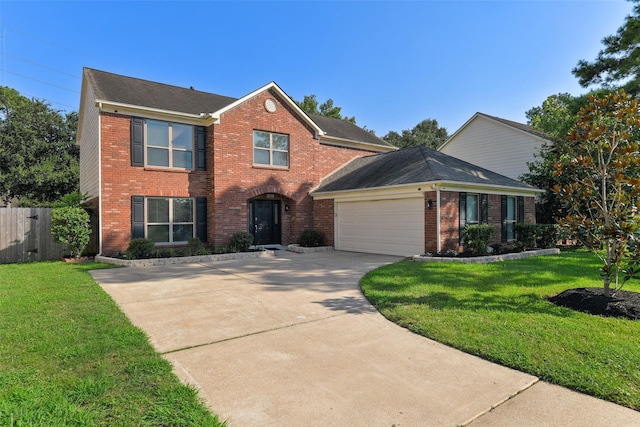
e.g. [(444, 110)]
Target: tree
[(310, 106), (70, 225), (556, 117), (600, 186), (39, 159), (619, 61), (426, 133)]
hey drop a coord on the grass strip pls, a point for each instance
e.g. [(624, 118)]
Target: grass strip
[(69, 356), (499, 312)]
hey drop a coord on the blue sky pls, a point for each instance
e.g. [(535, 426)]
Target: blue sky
[(389, 64)]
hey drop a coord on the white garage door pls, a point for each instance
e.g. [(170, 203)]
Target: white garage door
[(393, 227)]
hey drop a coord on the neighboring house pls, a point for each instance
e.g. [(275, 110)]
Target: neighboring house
[(171, 163), (496, 144)]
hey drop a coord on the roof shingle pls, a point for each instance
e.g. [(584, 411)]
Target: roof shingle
[(411, 166)]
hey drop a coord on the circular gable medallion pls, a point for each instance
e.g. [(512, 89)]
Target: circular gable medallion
[(270, 105)]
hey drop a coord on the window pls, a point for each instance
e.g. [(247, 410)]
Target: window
[(169, 145), (270, 149), (512, 213), (472, 209), (510, 219), (169, 220)]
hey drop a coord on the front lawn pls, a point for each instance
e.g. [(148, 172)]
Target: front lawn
[(499, 312), (70, 357)]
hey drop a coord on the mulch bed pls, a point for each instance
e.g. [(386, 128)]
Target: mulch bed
[(624, 304)]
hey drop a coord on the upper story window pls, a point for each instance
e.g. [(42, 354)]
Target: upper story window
[(270, 149), (169, 145)]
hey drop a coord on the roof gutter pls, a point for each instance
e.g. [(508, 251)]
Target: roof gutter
[(342, 142), (118, 107), (404, 190)]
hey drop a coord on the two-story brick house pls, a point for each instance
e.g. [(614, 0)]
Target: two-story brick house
[(171, 163)]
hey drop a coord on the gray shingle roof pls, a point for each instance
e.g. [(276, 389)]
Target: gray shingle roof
[(409, 166), (346, 130), (144, 93)]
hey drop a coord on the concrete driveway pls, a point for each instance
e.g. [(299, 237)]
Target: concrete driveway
[(291, 341)]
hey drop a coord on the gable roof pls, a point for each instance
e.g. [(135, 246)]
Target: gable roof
[(514, 125), (416, 165), (118, 90)]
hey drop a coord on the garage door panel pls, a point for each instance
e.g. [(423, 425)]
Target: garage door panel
[(394, 227)]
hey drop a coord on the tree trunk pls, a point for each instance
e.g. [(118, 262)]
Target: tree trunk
[(607, 288)]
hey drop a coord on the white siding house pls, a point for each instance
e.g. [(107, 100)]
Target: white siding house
[(496, 144)]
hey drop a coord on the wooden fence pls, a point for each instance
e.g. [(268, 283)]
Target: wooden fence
[(25, 235)]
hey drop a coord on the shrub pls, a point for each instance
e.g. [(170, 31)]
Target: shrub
[(70, 226), (548, 236), (75, 199), (536, 236), (140, 248), (240, 242), (195, 247), (527, 235), (311, 238), (477, 238)]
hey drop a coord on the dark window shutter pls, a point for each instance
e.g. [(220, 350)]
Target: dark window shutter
[(462, 215), (137, 141), (520, 202), (201, 218), (201, 148), (484, 211), (137, 217), (503, 213)]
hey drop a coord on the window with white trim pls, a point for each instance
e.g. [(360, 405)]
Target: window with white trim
[(271, 149), (169, 220), (169, 144)]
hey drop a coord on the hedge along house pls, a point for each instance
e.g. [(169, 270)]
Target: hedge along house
[(171, 163), (417, 200)]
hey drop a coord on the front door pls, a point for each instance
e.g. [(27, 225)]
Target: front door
[(265, 221)]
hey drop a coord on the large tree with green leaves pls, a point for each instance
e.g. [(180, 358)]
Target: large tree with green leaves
[(39, 160), (600, 185), (556, 117), (618, 64), (310, 106), (426, 133)]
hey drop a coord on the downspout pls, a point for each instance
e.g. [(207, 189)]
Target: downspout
[(100, 180), (438, 241)]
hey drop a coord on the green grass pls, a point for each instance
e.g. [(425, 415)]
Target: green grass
[(499, 312), (70, 357)]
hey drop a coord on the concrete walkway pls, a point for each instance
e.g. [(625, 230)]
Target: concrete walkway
[(291, 341)]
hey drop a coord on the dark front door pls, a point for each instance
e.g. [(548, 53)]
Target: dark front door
[(265, 222)]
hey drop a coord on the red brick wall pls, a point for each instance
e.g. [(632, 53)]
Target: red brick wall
[(230, 180), (450, 226), (120, 181), (430, 222), (323, 219), (449, 221), (236, 180)]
